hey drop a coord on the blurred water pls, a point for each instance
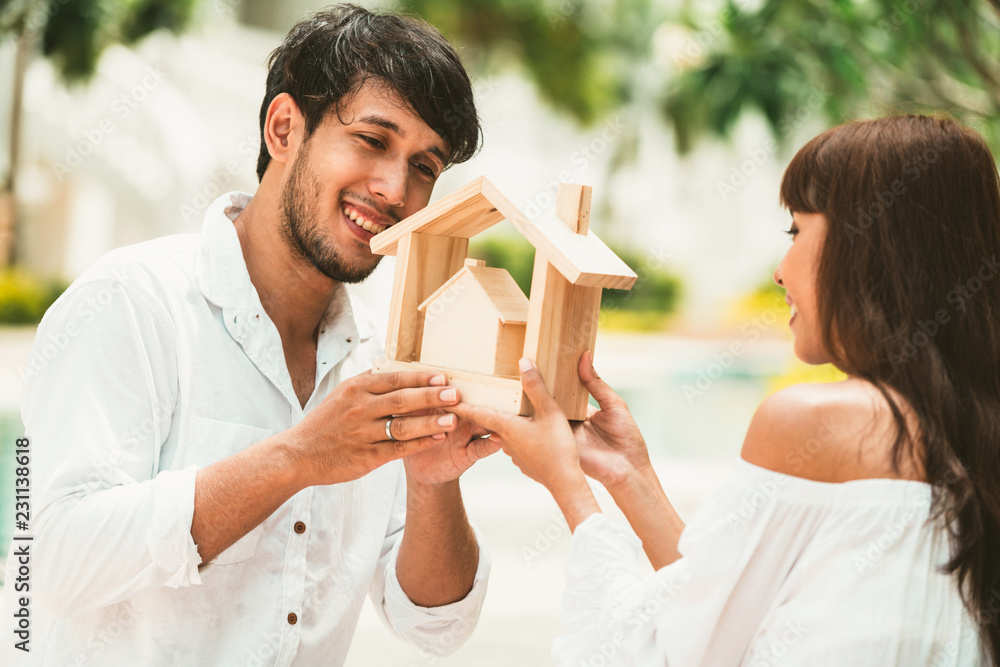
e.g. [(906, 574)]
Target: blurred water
[(10, 429)]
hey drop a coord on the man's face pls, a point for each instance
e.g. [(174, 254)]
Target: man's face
[(353, 177)]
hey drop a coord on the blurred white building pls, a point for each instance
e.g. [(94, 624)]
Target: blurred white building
[(161, 131)]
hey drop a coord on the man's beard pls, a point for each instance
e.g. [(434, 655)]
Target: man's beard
[(303, 233)]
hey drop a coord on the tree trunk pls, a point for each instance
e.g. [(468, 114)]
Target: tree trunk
[(8, 195)]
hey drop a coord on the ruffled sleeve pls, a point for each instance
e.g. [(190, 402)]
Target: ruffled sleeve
[(773, 566), (608, 606)]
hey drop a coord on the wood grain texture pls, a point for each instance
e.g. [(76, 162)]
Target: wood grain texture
[(475, 322), (573, 206), (582, 258), (462, 214), (460, 327), (510, 349), (500, 394), (424, 264), (562, 323)]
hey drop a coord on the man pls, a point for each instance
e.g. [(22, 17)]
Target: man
[(215, 478)]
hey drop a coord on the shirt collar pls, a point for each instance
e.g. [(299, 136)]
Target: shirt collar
[(222, 276), (221, 271)]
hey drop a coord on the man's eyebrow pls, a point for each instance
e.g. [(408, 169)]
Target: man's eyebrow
[(375, 119), (436, 151)]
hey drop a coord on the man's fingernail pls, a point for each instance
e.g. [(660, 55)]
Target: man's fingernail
[(525, 364), (446, 420), (449, 395), (437, 380)]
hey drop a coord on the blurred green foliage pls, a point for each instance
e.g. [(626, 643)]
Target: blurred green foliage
[(74, 33), (706, 64), (513, 253), (580, 54), (25, 298), (849, 59), (656, 294)]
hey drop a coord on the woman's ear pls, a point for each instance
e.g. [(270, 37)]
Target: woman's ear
[(283, 127)]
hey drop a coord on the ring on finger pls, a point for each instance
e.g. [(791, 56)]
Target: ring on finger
[(388, 429)]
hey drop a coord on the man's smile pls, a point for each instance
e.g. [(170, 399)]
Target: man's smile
[(365, 218)]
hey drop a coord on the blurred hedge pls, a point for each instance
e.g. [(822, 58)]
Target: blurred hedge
[(655, 295), (24, 298)]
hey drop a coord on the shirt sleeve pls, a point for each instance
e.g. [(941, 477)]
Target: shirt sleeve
[(609, 608), (438, 631), (774, 569), (99, 394)]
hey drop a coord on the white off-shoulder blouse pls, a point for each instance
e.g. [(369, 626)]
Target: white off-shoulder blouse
[(776, 570)]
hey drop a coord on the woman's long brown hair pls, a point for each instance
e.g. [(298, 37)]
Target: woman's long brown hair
[(909, 299)]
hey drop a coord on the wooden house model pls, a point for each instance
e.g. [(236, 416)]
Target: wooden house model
[(488, 310), (471, 322)]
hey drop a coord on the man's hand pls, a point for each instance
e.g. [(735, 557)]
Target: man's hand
[(447, 460), (611, 447), (344, 437)]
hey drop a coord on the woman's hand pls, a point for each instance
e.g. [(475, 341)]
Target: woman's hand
[(613, 452), (611, 447), (542, 446)]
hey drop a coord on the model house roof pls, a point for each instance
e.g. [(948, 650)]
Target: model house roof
[(507, 299), (582, 258)]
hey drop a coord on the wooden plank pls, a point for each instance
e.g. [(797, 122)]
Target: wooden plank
[(510, 349), (573, 206), (507, 298), (460, 328), (582, 258), (455, 277), (500, 394), (474, 208), (424, 264), (462, 214), (562, 323)]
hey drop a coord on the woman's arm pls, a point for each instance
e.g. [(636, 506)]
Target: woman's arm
[(608, 447), (542, 446), (613, 451)]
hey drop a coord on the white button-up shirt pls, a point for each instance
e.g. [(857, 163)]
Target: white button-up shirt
[(156, 362)]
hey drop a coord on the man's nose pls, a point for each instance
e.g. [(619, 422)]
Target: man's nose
[(390, 185)]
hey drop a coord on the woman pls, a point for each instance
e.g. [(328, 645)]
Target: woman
[(862, 526)]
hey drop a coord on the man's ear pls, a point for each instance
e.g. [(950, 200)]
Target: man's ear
[(284, 127)]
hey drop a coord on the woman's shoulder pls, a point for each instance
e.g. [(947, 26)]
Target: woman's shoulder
[(831, 432)]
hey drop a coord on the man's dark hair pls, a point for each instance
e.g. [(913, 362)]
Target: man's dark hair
[(332, 54)]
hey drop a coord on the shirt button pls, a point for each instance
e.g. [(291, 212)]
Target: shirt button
[(300, 527), (292, 618)]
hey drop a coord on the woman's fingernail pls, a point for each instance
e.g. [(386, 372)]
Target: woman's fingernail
[(525, 364), (437, 380), (449, 395), (438, 436), (446, 420)]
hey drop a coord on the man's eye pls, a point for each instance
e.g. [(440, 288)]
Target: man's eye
[(424, 168), (372, 141)]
